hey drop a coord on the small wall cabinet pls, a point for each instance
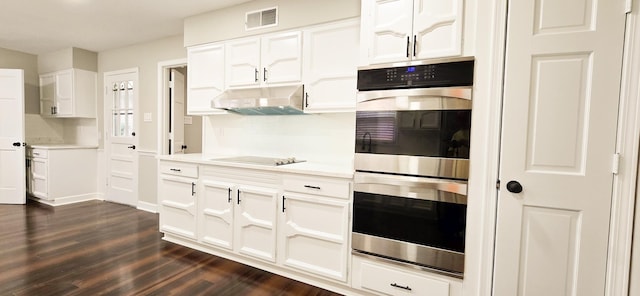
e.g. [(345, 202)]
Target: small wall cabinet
[(270, 59), (405, 30), (205, 77), (330, 66), (68, 93)]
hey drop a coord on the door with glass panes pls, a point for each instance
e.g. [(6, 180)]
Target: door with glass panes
[(122, 162)]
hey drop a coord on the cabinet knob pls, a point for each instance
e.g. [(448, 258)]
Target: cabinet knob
[(132, 147)]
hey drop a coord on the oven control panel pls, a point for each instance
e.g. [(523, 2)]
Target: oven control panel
[(459, 73)]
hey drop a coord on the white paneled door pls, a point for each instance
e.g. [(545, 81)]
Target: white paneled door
[(12, 158), (561, 93), (176, 130), (120, 124)]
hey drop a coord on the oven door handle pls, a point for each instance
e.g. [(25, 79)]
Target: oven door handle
[(411, 187), (440, 98)]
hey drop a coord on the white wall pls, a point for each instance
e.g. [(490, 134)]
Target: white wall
[(11, 59)]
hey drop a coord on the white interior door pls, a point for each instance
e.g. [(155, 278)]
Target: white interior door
[(12, 158), (561, 93), (122, 160), (176, 98)]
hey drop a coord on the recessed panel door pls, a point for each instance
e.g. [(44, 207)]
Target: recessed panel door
[(255, 222), (122, 160), (12, 150), (176, 131), (561, 93)]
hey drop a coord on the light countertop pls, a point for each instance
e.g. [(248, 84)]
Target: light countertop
[(50, 146), (307, 167)]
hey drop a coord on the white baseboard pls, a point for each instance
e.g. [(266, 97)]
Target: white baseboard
[(68, 199), (147, 206)]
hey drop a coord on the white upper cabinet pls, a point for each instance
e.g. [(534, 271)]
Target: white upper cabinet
[(205, 77), (68, 93), (271, 59), (330, 66), (405, 30)]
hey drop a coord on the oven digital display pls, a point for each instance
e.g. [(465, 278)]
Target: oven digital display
[(429, 75)]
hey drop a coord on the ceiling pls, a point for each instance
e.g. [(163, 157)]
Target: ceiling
[(42, 26)]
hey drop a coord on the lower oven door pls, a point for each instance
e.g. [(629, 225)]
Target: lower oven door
[(411, 219)]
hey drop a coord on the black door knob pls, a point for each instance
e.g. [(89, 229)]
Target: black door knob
[(514, 187)]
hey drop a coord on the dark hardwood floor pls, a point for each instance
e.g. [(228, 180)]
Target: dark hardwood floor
[(101, 248)]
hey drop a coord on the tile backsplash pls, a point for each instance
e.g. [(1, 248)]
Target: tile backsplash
[(41, 130), (325, 138)]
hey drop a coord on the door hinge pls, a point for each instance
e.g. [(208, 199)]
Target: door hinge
[(628, 6), (616, 163), (172, 84), (498, 184)]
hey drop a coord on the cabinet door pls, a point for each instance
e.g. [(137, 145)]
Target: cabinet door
[(216, 213), (39, 183), (330, 71), (205, 77), (387, 30), (243, 62), (47, 94), (255, 222), (64, 93), (281, 58), (177, 206), (314, 235), (437, 28)]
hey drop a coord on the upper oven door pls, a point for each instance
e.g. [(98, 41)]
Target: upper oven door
[(414, 131)]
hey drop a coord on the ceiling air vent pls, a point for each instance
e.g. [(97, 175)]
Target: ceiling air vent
[(261, 18)]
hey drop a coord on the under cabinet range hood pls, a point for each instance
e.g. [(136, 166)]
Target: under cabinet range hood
[(271, 100)]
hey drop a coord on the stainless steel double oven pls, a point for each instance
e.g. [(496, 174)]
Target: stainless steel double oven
[(413, 123)]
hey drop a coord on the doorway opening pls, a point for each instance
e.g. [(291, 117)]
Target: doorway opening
[(179, 132)]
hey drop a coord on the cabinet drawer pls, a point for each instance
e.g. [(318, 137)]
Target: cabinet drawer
[(38, 153), (391, 281), (179, 169), (320, 186)]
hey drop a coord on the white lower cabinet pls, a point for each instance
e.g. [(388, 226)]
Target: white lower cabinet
[(381, 278), (314, 226), (58, 176), (239, 215), (177, 199), (216, 213), (313, 235), (256, 222)]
